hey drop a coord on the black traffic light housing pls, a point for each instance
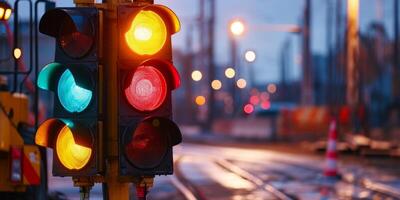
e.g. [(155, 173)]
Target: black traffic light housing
[(146, 134), (74, 79)]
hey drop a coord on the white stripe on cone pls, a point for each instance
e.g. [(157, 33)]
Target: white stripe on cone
[(331, 146)]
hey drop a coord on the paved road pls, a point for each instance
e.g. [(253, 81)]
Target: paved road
[(217, 173)]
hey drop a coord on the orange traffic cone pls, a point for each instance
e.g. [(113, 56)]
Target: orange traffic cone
[(331, 153)]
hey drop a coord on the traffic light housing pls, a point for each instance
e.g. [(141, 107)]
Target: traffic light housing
[(75, 132), (146, 78)]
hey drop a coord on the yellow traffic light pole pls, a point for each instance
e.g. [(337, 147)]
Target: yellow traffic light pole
[(116, 189)]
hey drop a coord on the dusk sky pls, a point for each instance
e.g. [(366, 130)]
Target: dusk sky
[(256, 13)]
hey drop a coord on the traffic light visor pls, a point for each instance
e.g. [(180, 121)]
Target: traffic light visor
[(147, 33), (146, 88), (72, 27), (73, 85), (48, 131)]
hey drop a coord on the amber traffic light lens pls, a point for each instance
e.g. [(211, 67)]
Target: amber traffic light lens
[(148, 145), (74, 43), (147, 33), (71, 155), (146, 88)]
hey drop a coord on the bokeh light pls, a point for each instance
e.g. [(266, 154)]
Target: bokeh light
[(200, 100), (241, 83), (255, 100), (230, 72), (250, 56), (216, 84), (17, 53), (248, 108), (271, 88), (266, 105), (197, 75)]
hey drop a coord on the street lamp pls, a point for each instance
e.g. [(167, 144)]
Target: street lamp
[(5, 11), (237, 27)]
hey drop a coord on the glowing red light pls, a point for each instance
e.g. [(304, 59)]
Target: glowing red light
[(146, 88), (248, 108), (266, 105), (254, 100)]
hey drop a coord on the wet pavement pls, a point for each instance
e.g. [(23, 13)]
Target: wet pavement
[(221, 172)]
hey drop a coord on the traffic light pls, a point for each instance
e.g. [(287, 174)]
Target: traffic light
[(146, 78), (75, 132)]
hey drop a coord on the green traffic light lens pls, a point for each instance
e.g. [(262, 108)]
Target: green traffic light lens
[(72, 97)]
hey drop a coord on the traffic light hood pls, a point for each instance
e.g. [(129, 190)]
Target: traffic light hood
[(48, 131), (166, 68), (51, 73), (165, 126), (75, 20), (171, 19)]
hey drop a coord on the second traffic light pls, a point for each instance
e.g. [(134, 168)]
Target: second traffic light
[(74, 133), (146, 78)]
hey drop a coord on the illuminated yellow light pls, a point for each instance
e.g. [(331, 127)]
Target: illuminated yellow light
[(17, 53), (147, 34), (250, 56), (197, 75), (216, 84), (241, 83), (8, 14), (271, 88), (237, 28), (200, 100), (143, 33), (230, 73), (70, 154), (1, 13)]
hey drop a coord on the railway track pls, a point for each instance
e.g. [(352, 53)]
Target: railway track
[(192, 192)]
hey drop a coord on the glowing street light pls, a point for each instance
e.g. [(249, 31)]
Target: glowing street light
[(250, 56), (241, 83), (197, 75), (216, 84), (5, 11), (230, 72), (237, 28)]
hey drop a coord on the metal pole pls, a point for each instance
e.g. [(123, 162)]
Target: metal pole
[(352, 54), (116, 189), (211, 67), (234, 50), (307, 86), (396, 71)]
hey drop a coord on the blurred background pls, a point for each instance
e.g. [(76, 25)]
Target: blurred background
[(275, 74)]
